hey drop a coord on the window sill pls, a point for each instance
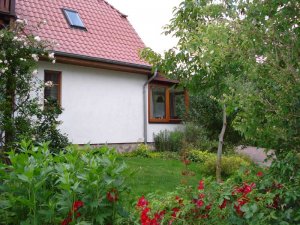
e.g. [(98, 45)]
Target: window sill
[(165, 121)]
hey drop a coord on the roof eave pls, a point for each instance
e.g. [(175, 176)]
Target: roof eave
[(61, 56)]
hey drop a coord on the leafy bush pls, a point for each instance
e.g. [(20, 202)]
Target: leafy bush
[(142, 151), (73, 186), (199, 156), (46, 128), (22, 114), (253, 196), (171, 141), (197, 137), (230, 165)]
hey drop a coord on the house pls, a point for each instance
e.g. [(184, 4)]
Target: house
[(109, 95)]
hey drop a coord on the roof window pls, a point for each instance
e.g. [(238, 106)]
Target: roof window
[(73, 18)]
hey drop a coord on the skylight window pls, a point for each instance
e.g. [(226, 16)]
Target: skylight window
[(73, 18)]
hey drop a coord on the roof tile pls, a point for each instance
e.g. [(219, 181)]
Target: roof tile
[(109, 34)]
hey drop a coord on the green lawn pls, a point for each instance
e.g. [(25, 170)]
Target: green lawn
[(160, 175)]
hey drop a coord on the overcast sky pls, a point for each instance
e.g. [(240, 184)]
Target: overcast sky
[(148, 17)]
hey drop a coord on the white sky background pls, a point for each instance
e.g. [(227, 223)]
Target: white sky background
[(148, 17)]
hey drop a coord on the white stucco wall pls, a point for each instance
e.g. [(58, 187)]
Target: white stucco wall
[(102, 106)]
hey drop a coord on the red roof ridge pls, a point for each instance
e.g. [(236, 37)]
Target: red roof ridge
[(118, 11), (125, 16)]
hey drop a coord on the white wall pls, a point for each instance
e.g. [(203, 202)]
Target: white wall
[(102, 106), (154, 128)]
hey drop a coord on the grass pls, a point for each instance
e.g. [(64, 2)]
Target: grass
[(158, 175)]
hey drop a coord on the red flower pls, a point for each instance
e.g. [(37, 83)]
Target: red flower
[(77, 205), (66, 221), (175, 211), (112, 195), (186, 161), (159, 215), (142, 202), (240, 202), (179, 200), (201, 185), (223, 205), (198, 202), (208, 207), (145, 220), (259, 174), (201, 195)]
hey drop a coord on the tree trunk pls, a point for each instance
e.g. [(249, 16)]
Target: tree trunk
[(220, 147)]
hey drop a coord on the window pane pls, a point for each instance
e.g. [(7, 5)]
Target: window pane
[(52, 77), (52, 90), (177, 104), (74, 18), (158, 103), (51, 93)]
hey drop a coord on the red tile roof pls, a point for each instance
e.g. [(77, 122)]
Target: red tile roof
[(109, 34)]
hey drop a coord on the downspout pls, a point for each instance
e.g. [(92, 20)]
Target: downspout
[(145, 106)]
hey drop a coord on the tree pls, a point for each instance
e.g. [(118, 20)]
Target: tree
[(245, 54), (21, 111)]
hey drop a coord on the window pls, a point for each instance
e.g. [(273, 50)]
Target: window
[(73, 18), (52, 92), (177, 103), (166, 104)]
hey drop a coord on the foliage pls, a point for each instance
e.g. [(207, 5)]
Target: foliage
[(190, 136), (195, 136), (168, 141), (21, 109), (43, 188), (230, 163), (252, 197), (142, 151), (199, 156), (206, 113), (47, 128), (244, 54)]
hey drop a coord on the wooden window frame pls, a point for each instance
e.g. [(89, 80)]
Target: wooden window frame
[(168, 118), (59, 74)]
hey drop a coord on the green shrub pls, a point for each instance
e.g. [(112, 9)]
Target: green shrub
[(43, 188), (199, 156), (142, 151), (230, 165), (171, 141), (197, 137)]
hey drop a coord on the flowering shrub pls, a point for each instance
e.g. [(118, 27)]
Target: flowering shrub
[(21, 103), (73, 186), (270, 196)]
